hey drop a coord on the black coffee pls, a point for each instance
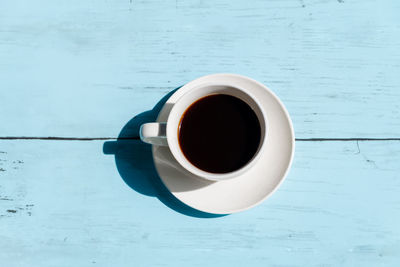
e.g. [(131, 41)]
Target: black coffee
[(219, 133)]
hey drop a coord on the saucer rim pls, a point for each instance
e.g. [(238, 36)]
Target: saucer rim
[(292, 145)]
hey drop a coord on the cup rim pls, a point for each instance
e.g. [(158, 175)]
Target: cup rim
[(180, 156)]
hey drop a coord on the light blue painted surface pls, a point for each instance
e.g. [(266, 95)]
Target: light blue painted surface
[(85, 68), (338, 207)]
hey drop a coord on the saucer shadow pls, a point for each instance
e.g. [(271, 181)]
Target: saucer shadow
[(135, 163)]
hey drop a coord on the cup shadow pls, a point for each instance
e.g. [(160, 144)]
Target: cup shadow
[(134, 161)]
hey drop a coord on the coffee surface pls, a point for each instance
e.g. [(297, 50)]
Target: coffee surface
[(219, 133)]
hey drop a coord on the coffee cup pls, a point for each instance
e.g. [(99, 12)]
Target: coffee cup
[(237, 121)]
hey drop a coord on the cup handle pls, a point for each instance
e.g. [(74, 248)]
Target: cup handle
[(154, 133)]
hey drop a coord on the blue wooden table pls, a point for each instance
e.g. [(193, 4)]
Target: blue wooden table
[(74, 74)]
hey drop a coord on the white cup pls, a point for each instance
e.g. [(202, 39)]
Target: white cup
[(166, 133)]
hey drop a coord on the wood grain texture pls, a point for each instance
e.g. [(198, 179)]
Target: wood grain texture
[(64, 203), (84, 68)]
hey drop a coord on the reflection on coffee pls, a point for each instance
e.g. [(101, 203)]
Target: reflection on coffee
[(219, 133)]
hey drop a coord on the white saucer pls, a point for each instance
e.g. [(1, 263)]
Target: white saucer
[(250, 188)]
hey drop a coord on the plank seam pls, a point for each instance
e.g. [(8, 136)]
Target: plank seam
[(59, 138)]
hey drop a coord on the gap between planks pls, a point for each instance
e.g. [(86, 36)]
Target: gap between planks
[(59, 138)]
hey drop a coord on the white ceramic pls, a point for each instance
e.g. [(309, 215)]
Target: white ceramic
[(166, 133), (247, 189)]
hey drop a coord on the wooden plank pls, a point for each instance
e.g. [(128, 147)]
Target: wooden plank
[(83, 69), (63, 203)]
